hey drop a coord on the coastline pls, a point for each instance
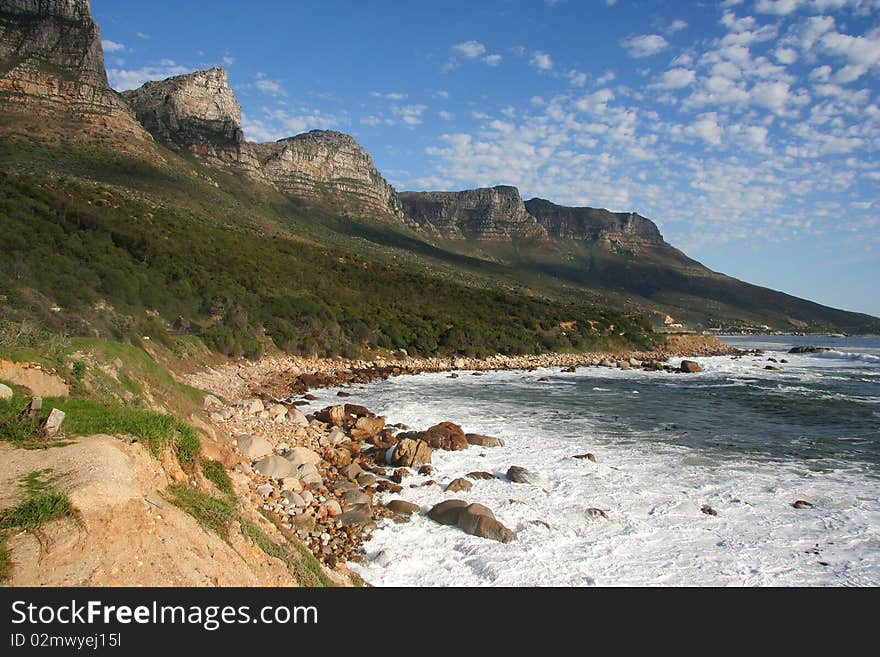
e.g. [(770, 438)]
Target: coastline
[(280, 377), (315, 477)]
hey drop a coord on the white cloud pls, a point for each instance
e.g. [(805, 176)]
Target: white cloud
[(541, 61), (112, 46), (125, 79), (469, 49), (577, 78), (676, 26), (392, 95), (785, 55), (675, 78), (442, 93), (645, 45), (279, 124), (142, 35), (492, 60), (446, 116), (410, 114), (267, 86), (228, 61), (778, 7), (707, 128)]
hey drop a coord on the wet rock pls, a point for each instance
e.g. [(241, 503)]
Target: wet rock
[(689, 367), (520, 475), (802, 504), (770, 367), (388, 487), (427, 470), (480, 475), (253, 447), (354, 497), (399, 475), (366, 479), (708, 510), (275, 466), (624, 365), (335, 416), (447, 512), (342, 393), (447, 436), (367, 427), (459, 485), (343, 486), (477, 520), (569, 370), (544, 379), (358, 411), (338, 458), (483, 441), (808, 350), (402, 507), (596, 513), (409, 453), (589, 456), (354, 519)]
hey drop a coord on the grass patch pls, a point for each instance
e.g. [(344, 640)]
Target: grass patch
[(42, 504), (218, 515), (216, 474), (85, 417)]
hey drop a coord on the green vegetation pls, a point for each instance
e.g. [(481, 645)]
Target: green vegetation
[(41, 504), (226, 265), (219, 515), (86, 417), (216, 474)]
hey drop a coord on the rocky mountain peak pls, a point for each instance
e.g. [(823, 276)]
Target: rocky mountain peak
[(489, 213), (53, 81), (196, 112), (328, 165)]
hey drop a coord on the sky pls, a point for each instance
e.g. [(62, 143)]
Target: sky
[(748, 130)]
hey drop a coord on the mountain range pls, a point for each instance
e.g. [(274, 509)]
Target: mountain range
[(177, 147)]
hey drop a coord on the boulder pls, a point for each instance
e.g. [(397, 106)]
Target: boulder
[(409, 453), (277, 412), (343, 486), (294, 499), (519, 475), (689, 367), (265, 490), (802, 504), (292, 484), (367, 427), (596, 513), (253, 447), (301, 455), (477, 520), (459, 485), (53, 423), (708, 510), (426, 470), (480, 475), (808, 350), (5, 391), (354, 497), (354, 519), (333, 508), (447, 436), (446, 513), (334, 415), (624, 365), (586, 457), (366, 479), (351, 471), (338, 458), (275, 466), (297, 417), (402, 507), (483, 441), (253, 406), (211, 401)]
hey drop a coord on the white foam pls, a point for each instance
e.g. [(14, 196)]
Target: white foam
[(652, 491)]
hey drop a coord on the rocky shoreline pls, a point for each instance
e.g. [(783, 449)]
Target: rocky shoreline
[(316, 476)]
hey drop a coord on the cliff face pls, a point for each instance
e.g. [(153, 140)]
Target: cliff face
[(196, 113), (495, 213), (52, 77), (330, 165), (610, 230)]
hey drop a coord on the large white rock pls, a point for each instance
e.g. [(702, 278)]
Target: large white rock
[(302, 455), (275, 466), (297, 417), (253, 447), (253, 406), (5, 391)]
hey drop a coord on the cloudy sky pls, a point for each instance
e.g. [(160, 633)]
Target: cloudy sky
[(749, 130)]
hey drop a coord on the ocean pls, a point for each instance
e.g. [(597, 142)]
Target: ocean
[(744, 440)]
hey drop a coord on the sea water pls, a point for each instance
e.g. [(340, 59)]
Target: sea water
[(741, 439)]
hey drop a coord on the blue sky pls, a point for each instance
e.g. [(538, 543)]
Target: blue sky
[(748, 130)]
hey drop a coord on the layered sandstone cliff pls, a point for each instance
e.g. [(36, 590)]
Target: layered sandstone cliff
[(196, 113), (489, 213), (613, 231), (52, 76), (328, 165)]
